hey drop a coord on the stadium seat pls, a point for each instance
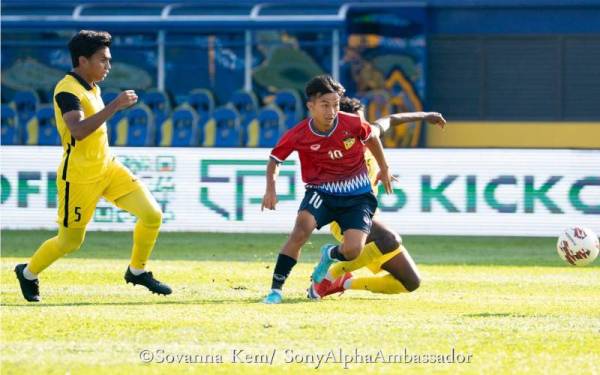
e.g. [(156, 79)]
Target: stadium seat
[(111, 125), (41, 128), (202, 101), (223, 129), (26, 104), (159, 104), (291, 104), (109, 95), (11, 132), (267, 129), (136, 128), (246, 104), (377, 104), (180, 129)]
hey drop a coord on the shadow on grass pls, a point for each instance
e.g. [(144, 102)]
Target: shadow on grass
[(246, 301), (220, 247), (499, 315)]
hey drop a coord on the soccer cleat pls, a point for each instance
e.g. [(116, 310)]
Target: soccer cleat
[(326, 287), (146, 279), (322, 267), (272, 298), (29, 288)]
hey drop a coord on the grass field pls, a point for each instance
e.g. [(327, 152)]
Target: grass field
[(507, 305)]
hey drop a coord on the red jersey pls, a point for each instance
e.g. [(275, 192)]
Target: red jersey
[(333, 162)]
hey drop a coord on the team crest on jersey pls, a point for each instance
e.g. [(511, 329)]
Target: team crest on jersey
[(349, 142), (315, 147)]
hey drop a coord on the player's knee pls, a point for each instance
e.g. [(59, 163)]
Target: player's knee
[(412, 283), (152, 217), (389, 241), (351, 251), (68, 243)]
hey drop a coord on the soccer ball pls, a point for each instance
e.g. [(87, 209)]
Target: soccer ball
[(578, 246)]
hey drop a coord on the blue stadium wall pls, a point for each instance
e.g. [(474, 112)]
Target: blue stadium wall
[(486, 64)]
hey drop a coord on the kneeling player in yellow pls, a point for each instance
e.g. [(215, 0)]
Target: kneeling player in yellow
[(384, 249), (89, 172)]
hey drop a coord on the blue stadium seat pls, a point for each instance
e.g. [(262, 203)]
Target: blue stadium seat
[(159, 104), (246, 104), (109, 95), (271, 126), (377, 104), (26, 104), (202, 101), (223, 129), (41, 128), (111, 125), (180, 129), (11, 132), (136, 128), (291, 104)]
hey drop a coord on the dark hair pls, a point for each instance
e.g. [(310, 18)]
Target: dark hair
[(350, 105), (321, 85), (86, 42)]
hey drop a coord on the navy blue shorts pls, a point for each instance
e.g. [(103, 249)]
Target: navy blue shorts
[(350, 212)]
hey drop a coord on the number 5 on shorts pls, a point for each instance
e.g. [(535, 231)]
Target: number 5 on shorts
[(77, 214)]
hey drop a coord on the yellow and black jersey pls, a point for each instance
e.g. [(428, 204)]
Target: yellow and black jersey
[(372, 169), (87, 160)]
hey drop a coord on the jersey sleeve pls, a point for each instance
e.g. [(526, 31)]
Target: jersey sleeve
[(365, 131), (67, 102), (284, 147)]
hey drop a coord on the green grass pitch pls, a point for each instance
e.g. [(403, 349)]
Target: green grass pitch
[(504, 305)]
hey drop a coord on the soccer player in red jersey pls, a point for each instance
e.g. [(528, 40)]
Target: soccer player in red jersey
[(331, 146), (384, 249)]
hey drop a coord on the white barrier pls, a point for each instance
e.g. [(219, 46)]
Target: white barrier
[(440, 191)]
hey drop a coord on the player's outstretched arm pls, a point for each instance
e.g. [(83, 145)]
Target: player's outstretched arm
[(395, 119), (81, 127), (270, 198)]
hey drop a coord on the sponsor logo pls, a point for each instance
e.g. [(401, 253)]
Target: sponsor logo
[(315, 147)]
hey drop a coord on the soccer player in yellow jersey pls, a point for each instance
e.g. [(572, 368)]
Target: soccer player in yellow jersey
[(384, 248), (89, 172)]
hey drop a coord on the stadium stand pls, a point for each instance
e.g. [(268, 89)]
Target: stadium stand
[(270, 125), (377, 104), (26, 103), (11, 132), (290, 104), (223, 129), (247, 106), (41, 128), (202, 100), (181, 129), (159, 104), (136, 128)]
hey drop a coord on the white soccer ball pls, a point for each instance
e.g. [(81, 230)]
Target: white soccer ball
[(578, 246)]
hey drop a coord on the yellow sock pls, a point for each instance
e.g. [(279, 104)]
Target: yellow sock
[(378, 284), (143, 205), (67, 241), (143, 242), (367, 255)]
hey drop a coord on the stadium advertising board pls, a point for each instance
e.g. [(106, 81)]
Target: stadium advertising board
[(440, 191)]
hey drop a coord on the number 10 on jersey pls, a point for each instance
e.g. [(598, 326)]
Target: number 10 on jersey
[(335, 154)]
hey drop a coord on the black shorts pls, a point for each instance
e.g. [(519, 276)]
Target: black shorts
[(350, 212)]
